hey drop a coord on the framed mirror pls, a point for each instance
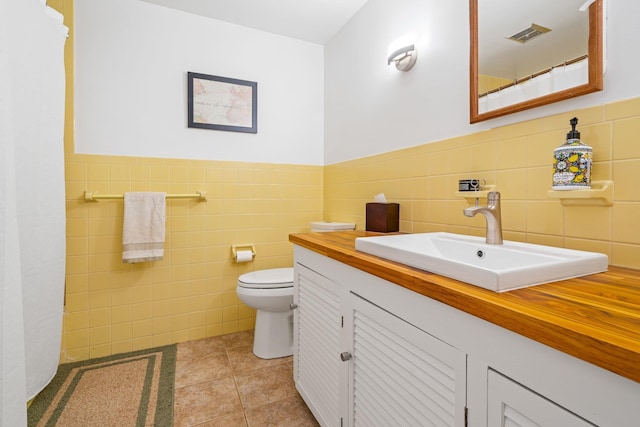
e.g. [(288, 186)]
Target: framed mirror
[(529, 53)]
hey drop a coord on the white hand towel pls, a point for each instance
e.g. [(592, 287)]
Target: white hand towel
[(144, 227)]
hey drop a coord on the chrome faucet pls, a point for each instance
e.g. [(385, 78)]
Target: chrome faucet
[(491, 213)]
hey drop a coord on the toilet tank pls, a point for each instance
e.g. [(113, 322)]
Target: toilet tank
[(324, 226)]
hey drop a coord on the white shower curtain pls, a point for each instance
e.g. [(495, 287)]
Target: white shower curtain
[(32, 201), (560, 78)]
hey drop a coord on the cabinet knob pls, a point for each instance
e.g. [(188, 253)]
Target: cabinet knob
[(293, 306), (345, 356)]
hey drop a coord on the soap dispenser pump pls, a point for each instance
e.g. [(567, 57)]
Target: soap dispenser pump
[(572, 162)]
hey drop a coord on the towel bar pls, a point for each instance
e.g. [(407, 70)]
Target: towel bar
[(94, 197)]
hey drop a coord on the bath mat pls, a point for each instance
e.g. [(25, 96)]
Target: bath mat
[(131, 389)]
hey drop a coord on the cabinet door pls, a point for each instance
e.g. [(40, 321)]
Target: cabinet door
[(401, 375), (513, 405), (317, 334)]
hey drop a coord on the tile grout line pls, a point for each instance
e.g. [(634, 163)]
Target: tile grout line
[(235, 382)]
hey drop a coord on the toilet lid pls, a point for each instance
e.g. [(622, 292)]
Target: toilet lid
[(272, 278)]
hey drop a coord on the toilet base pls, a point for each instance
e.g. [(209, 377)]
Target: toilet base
[(273, 336)]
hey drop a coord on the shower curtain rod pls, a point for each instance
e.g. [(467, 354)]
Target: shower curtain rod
[(534, 75), (94, 197)]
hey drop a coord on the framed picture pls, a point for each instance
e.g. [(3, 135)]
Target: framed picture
[(222, 103)]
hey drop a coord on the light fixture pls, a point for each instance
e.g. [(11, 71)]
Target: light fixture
[(403, 52), (404, 58)]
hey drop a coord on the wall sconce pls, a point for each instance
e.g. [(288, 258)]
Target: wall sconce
[(404, 53)]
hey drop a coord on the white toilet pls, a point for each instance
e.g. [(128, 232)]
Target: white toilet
[(270, 292)]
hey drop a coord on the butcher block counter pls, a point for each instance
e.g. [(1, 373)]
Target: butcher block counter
[(595, 318)]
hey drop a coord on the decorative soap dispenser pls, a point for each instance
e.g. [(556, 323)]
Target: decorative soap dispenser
[(572, 162)]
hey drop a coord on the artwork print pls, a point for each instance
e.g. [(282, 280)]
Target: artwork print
[(222, 103)]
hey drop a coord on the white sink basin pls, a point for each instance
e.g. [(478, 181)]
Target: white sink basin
[(495, 267)]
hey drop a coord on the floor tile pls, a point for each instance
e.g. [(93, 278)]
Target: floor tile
[(238, 339), (266, 385), (195, 404), (221, 383), (206, 368), (290, 412), (201, 360), (233, 420), (192, 350), (242, 360)]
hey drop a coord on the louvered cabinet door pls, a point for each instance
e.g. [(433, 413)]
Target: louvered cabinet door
[(317, 333), (513, 405), (401, 375)]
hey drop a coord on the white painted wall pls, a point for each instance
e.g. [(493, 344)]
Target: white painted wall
[(372, 108), (314, 107), (131, 99)]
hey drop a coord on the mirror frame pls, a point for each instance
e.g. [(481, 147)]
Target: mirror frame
[(594, 84)]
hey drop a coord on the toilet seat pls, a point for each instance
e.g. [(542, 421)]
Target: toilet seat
[(267, 279)]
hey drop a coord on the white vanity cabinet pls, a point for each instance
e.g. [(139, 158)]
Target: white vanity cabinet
[(317, 345), (368, 352), (511, 404), (356, 364), (400, 375)]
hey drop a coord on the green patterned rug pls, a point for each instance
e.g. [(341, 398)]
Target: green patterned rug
[(131, 389)]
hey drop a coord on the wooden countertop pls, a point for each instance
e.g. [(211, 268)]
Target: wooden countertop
[(595, 318)]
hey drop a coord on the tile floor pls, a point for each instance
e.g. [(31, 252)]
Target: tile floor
[(220, 382)]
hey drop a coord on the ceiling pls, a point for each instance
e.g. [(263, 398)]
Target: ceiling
[(315, 21), (499, 19)]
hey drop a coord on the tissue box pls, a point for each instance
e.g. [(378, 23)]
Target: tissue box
[(383, 217)]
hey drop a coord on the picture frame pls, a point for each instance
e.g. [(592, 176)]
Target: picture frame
[(222, 103)]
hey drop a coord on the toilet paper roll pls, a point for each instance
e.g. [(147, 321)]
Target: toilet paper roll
[(244, 256)]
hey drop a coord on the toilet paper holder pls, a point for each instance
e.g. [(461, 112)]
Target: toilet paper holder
[(244, 247)]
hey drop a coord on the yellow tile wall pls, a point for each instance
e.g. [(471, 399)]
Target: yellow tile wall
[(112, 307), (517, 159)]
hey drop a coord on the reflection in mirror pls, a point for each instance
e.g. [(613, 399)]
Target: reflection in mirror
[(525, 54)]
